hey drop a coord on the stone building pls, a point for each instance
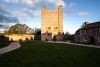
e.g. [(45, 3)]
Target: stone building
[(89, 34), (51, 22), (46, 36)]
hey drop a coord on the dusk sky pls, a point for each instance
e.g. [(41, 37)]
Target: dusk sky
[(29, 12)]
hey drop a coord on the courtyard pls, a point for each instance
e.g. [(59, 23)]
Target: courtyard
[(44, 54)]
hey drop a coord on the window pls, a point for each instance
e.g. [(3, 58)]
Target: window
[(85, 39), (98, 38), (99, 29), (56, 27), (49, 27), (85, 32), (90, 31)]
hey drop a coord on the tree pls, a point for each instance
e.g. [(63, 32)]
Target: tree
[(54, 38), (37, 35), (20, 29), (68, 37), (3, 38), (84, 24), (37, 31)]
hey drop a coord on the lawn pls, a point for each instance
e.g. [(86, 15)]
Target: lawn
[(4, 44), (42, 54)]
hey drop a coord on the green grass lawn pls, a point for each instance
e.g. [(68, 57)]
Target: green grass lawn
[(4, 44), (41, 54)]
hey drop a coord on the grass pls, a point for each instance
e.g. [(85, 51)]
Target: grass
[(4, 44), (41, 54)]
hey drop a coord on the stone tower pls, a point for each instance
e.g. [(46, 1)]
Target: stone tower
[(51, 22)]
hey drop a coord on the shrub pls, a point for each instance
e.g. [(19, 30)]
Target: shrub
[(4, 38)]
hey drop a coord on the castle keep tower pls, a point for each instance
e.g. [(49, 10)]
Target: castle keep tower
[(51, 22)]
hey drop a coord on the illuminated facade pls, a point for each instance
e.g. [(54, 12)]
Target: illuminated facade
[(51, 21)]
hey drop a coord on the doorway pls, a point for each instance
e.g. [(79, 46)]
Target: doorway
[(92, 40)]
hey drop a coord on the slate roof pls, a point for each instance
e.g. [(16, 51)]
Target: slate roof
[(92, 25)]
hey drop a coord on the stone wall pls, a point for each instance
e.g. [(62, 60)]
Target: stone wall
[(46, 36), (18, 37)]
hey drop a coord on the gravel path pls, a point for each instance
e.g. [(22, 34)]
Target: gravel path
[(12, 46), (74, 44)]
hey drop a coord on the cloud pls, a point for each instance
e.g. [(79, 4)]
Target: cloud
[(2, 18), (7, 19), (6, 15), (83, 14), (19, 14), (31, 3), (12, 19), (4, 10), (71, 5), (52, 1), (36, 1), (55, 2), (37, 13), (19, 1), (61, 2), (23, 12), (1, 26), (26, 12), (11, 1)]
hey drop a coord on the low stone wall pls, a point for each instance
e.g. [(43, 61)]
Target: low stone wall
[(18, 37)]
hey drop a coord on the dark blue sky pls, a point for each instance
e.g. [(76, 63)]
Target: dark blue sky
[(29, 12)]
